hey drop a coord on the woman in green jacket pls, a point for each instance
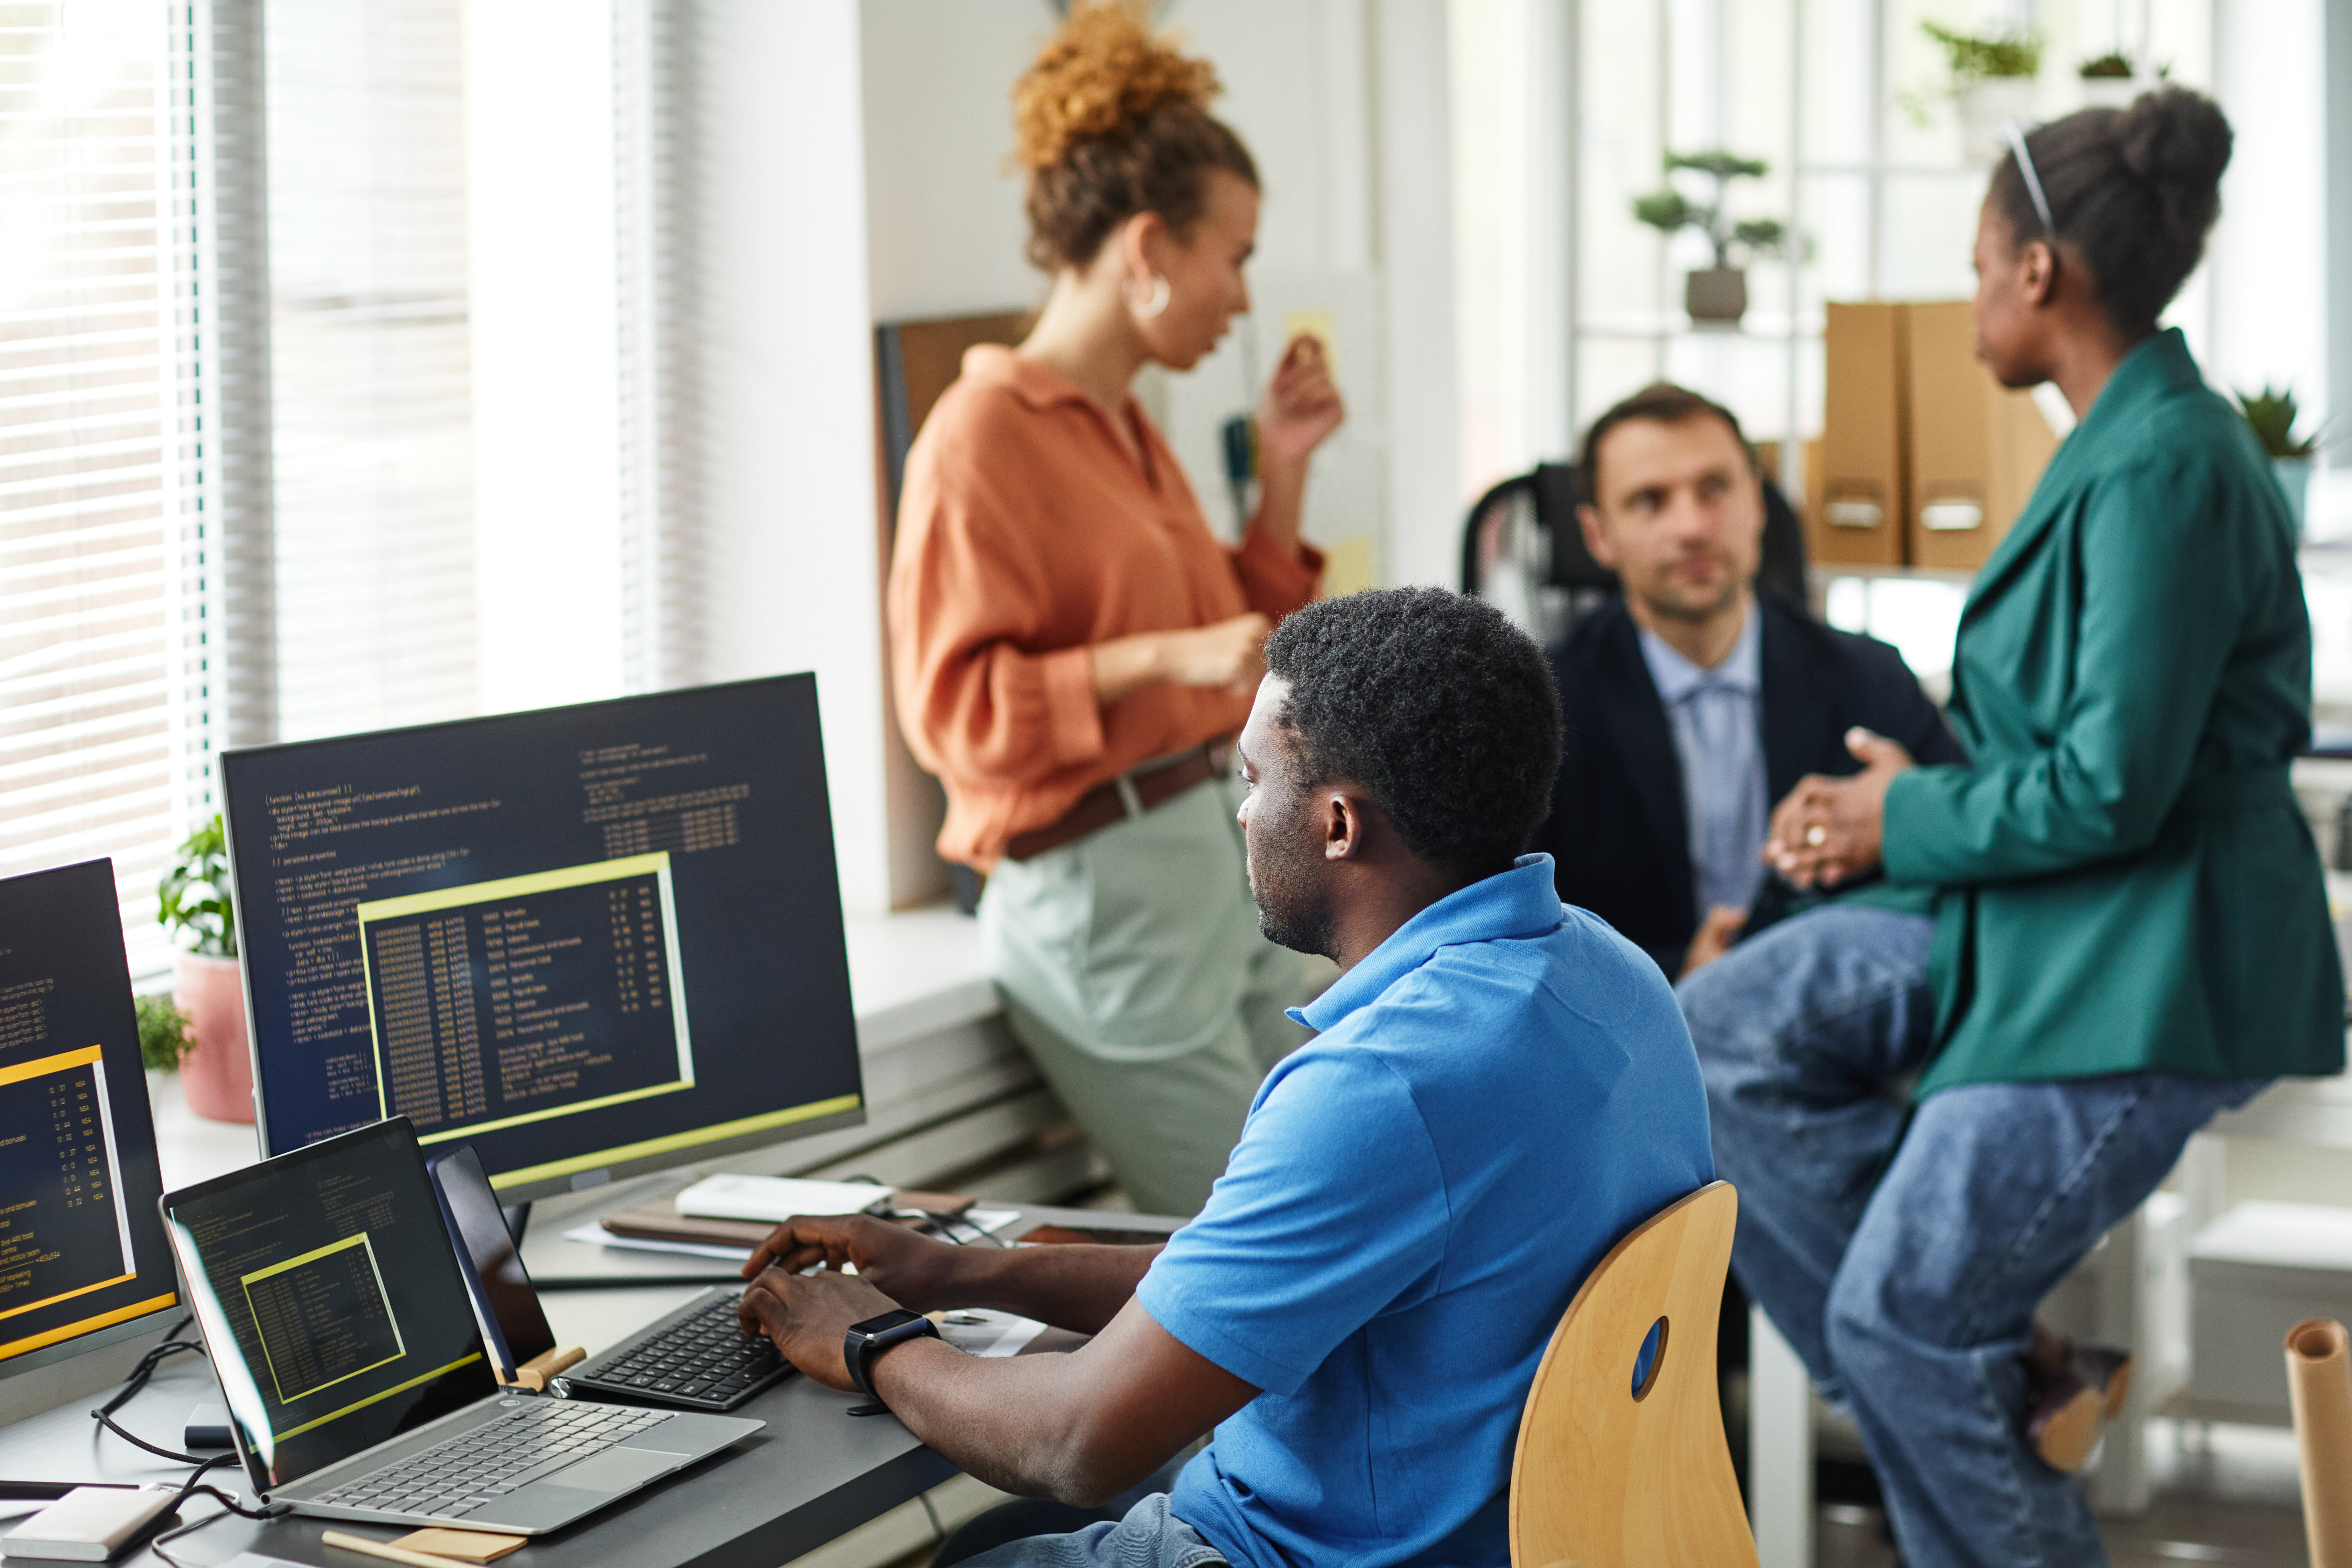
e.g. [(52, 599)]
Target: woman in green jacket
[(2130, 930)]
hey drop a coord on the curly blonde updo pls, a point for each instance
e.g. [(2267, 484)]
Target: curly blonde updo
[(1109, 122)]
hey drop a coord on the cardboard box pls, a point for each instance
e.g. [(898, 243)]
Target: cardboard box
[(1859, 518), (1976, 447)]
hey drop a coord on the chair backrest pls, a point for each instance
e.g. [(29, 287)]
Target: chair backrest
[(1622, 1461)]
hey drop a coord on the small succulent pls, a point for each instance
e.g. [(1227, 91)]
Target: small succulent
[(2272, 412)]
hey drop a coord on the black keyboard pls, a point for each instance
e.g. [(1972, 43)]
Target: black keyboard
[(536, 1437), (701, 1359)]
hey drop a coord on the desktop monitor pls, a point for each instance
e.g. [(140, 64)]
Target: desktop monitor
[(587, 940), (83, 1261)]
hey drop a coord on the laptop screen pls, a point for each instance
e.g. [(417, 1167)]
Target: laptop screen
[(329, 1298), (512, 1321)]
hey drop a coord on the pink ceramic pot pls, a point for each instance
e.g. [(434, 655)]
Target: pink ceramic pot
[(216, 1075)]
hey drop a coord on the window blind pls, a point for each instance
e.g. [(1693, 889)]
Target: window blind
[(381, 598), (376, 605), (118, 468), (656, 46)]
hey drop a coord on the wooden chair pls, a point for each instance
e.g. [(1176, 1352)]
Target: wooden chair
[(1616, 1472)]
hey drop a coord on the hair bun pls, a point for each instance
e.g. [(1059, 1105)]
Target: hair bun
[(1103, 70), (2177, 141)]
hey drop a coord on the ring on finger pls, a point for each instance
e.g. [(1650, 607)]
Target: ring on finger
[(1816, 836)]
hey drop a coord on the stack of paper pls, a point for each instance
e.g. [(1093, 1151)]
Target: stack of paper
[(774, 1199)]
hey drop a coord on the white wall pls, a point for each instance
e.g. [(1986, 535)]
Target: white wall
[(944, 225), (545, 297), (786, 394), (1415, 198), (2267, 262)]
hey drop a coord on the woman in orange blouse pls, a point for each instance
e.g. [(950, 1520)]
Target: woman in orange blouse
[(1071, 646)]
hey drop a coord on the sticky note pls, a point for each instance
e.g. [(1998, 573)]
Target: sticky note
[(1316, 324)]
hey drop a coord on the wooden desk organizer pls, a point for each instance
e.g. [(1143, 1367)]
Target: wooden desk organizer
[(535, 1372)]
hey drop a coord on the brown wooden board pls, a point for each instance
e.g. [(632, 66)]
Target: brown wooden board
[(916, 362)]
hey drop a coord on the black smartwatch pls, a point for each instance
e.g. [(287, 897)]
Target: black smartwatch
[(868, 1340)]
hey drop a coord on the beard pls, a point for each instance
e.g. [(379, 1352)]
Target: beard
[(1293, 910)]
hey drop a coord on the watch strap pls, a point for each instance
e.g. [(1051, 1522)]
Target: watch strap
[(862, 1347)]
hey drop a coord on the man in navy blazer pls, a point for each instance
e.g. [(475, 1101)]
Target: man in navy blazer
[(1691, 702)]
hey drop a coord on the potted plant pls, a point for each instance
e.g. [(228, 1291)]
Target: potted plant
[(2109, 81), (163, 1033), (2272, 413), (1718, 294), (216, 1071), (1991, 81)]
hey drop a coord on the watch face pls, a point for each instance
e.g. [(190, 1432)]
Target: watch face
[(898, 1319)]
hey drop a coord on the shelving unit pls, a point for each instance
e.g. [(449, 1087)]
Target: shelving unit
[(1879, 206)]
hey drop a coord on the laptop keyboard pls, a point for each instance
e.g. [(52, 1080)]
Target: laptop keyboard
[(704, 1357), (535, 1438)]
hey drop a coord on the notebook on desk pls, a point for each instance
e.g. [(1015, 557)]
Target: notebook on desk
[(357, 1385)]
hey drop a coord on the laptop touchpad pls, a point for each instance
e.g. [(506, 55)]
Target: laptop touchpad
[(615, 1469)]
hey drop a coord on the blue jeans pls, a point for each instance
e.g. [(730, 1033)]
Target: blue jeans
[(1901, 1249), (1146, 1536)]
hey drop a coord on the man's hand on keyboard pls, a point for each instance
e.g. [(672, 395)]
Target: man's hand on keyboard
[(914, 1270), (808, 1316)]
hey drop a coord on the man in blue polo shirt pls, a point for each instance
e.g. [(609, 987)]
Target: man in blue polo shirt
[(1499, 1090)]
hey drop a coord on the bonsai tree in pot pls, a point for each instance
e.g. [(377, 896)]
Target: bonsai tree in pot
[(1718, 294), (2271, 413), (193, 903), (1991, 80)]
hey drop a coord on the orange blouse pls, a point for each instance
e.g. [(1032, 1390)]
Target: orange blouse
[(1026, 534)]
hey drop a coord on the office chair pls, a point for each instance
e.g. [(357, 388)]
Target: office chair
[(1523, 552), (1621, 1460)]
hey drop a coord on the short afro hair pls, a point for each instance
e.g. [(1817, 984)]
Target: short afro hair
[(1436, 704)]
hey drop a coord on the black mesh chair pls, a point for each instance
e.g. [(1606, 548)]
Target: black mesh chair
[(1523, 552)]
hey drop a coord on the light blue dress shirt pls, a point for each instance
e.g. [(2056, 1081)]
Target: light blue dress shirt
[(1717, 717), (1499, 1091)]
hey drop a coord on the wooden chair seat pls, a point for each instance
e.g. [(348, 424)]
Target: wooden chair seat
[(1612, 1473)]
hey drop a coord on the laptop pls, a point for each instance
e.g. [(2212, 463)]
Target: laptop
[(696, 1358), (356, 1380)]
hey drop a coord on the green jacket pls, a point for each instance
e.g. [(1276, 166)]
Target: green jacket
[(2125, 880)]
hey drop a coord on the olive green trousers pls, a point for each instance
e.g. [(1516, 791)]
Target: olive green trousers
[(1133, 972)]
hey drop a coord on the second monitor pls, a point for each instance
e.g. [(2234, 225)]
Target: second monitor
[(584, 939)]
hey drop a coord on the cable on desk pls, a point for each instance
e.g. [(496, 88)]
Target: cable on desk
[(195, 1483), (138, 1380), (104, 1415)]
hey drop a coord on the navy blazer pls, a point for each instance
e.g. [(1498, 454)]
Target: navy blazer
[(1618, 834)]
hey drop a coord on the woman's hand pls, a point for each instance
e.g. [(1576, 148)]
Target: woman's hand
[(1230, 654), (1301, 405), (1830, 829)]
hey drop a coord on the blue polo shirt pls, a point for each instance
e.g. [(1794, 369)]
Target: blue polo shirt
[(1499, 1091)]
